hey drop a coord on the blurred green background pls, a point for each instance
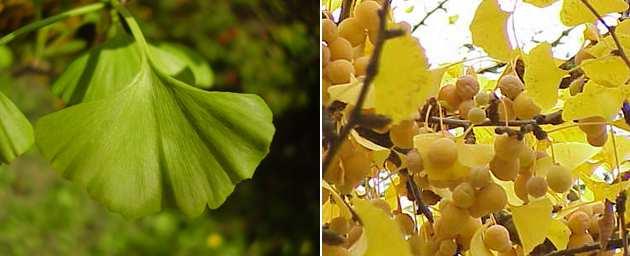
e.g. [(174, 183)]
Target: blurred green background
[(267, 47)]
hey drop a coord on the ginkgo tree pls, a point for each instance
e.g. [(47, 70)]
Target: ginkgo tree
[(138, 130), (445, 160)]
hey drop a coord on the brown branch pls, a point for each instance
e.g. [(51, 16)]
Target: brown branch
[(422, 22), (370, 74), (553, 118), (610, 29), (564, 34), (612, 244)]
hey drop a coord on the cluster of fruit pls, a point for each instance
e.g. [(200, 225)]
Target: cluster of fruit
[(585, 224)]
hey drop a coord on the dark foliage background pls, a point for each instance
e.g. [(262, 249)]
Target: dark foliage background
[(267, 47)]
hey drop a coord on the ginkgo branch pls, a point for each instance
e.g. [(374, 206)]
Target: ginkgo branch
[(553, 118), (346, 7), (50, 20), (612, 244), (610, 29), (422, 22), (370, 74)]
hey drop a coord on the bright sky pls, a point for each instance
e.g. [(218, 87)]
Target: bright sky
[(444, 42)]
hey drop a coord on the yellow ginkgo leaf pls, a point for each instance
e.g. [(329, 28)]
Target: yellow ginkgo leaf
[(603, 190), (621, 124), (572, 154), (508, 186), (375, 224), (540, 3), (484, 134), (378, 153), (532, 222), (477, 246), (489, 30), (608, 70), (571, 134), (542, 76), (623, 28), (345, 212), (472, 155), (595, 100), (559, 234), (391, 195), (574, 12), (349, 93), (398, 94), (623, 150)]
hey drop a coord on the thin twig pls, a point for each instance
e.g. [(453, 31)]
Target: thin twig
[(622, 54), (612, 244), (564, 34), (552, 118), (422, 22), (370, 74)]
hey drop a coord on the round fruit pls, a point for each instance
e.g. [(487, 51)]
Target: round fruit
[(480, 177), (329, 30), (482, 98), (491, 198), (340, 225), (360, 65), (520, 186), (402, 133), (537, 186), (466, 87), (511, 86), (450, 220), (506, 109), (467, 231), (579, 240), (340, 49), (497, 238), (526, 157), (524, 107), (593, 129), (414, 161), (325, 56), (351, 29), (597, 141), (507, 147), (464, 195), (447, 248), (339, 71), (579, 222), (406, 224), (367, 15), (353, 236), (559, 178), (504, 170), (476, 115), (442, 152), (448, 94), (465, 107)]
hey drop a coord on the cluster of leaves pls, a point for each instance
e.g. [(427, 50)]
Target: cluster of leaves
[(188, 148), (382, 188)]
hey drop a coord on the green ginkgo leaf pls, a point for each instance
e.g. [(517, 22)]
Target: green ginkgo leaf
[(186, 65), (16, 132), (158, 141), (106, 69)]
